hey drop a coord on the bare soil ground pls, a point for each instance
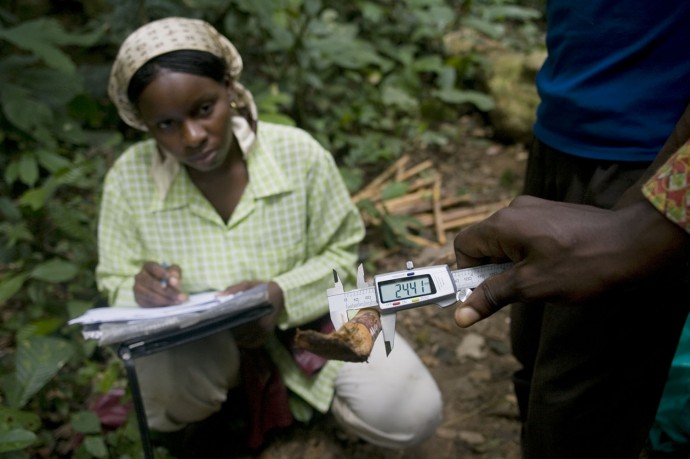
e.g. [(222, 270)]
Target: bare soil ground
[(472, 367)]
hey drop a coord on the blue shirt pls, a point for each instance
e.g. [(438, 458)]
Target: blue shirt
[(617, 76)]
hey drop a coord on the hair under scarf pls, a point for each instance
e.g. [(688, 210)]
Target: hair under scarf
[(176, 34)]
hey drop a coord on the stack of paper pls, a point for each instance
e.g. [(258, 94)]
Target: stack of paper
[(196, 303), (115, 324)]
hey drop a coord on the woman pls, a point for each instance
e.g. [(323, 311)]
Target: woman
[(231, 202)]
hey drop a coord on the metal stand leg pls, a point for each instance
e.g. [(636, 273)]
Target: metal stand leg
[(126, 357), (247, 307)]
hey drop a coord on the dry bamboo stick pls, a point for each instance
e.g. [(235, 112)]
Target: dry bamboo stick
[(411, 172), (421, 241), (414, 186), (485, 212), (421, 183), (455, 200), (417, 207), (427, 218), (468, 220), (390, 205), (438, 217), (370, 190), (459, 213)]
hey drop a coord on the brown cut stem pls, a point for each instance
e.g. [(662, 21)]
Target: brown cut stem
[(352, 342)]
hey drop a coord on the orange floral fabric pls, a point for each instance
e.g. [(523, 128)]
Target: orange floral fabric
[(669, 189)]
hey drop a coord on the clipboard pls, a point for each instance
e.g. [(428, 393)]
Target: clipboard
[(148, 339)]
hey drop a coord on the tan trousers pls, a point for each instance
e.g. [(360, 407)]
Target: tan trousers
[(390, 401)]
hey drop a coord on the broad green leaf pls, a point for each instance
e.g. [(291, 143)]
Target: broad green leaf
[(86, 422), (9, 286), (11, 389), (74, 223), (455, 96), (261, 8), (28, 168), (372, 11), (52, 161), (9, 210), (35, 198), (502, 12), (71, 132), (50, 86), (394, 190), (75, 308), (11, 418), (28, 114), (396, 225), (312, 7), (437, 17), (43, 36), (489, 28), (41, 327), (342, 48), (73, 174), (391, 95), (12, 172), (95, 446), (430, 63), (55, 270), (16, 439), (38, 359), (353, 178), (15, 233), (446, 78)]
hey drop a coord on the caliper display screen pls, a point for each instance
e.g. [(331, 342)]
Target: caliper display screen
[(405, 288)]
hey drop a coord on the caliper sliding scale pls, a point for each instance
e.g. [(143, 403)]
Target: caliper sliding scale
[(411, 288)]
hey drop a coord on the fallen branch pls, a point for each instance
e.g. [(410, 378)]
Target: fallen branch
[(352, 342), (453, 218), (394, 205), (458, 220), (424, 165), (426, 205), (373, 187), (423, 201), (438, 216)]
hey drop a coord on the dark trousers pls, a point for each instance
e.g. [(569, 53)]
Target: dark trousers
[(592, 374)]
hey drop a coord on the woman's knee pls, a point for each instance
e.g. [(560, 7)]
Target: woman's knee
[(188, 383), (391, 401)]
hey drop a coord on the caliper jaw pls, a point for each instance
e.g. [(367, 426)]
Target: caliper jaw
[(336, 304), (339, 314), (388, 327)]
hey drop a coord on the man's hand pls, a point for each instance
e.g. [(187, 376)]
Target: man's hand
[(156, 285), (254, 334), (564, 252)]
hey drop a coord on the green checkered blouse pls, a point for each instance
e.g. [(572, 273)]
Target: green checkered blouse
[(294, 224)]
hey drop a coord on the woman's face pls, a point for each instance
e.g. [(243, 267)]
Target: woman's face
[(189, 117)]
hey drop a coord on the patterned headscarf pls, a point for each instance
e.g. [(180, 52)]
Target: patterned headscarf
[(175, 34)]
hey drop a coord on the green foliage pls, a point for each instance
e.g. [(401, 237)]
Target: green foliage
[(38, 359), (370, 79), (17, 429)]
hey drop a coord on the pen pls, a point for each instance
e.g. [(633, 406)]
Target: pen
[(164, 281)]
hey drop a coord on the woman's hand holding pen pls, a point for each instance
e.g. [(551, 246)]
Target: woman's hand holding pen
[(158, 285)]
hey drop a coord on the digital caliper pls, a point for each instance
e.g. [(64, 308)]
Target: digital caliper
[(413, 287)]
